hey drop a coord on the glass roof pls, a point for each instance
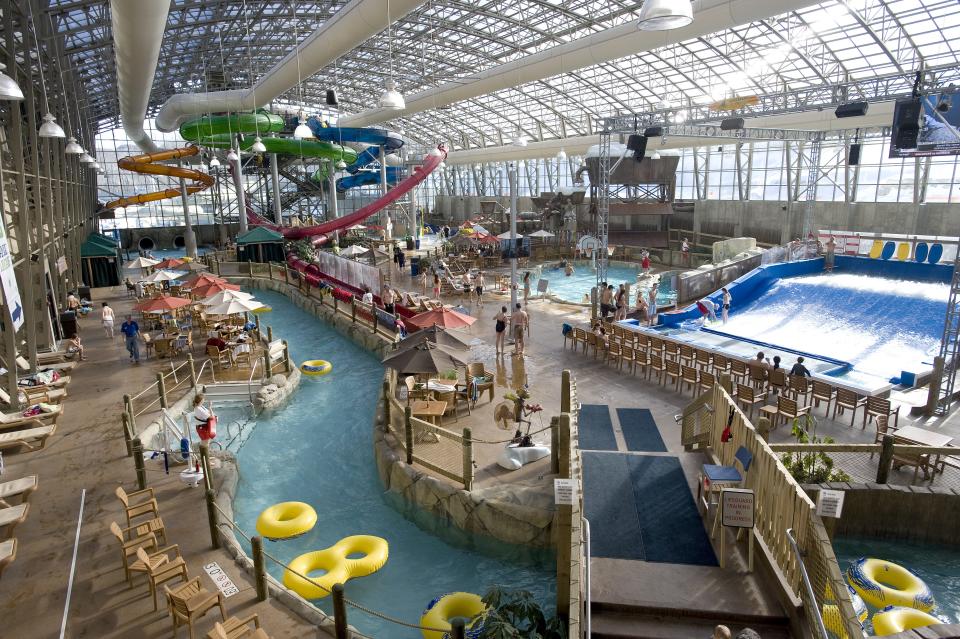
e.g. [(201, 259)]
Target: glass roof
[(443, 41)]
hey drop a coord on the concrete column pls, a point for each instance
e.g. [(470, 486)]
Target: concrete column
[(189, 239), (387, 223), (275, 174)]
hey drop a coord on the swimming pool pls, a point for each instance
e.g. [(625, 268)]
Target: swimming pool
[(319, 449), (573, 288), (938, 566)]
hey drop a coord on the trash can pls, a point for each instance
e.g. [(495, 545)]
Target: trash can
[(83, 292), (409, 243), (68, 324), (416, 243), (414, 266)]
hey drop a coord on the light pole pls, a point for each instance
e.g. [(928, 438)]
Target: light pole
[(512, 176)]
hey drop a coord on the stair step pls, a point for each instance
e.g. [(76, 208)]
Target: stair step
[(612, 625)]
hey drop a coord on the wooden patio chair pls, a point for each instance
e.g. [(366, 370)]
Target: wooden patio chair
[(747, 398), (243, 359), (145, 504), (579, 337), (191, 601), (163, 347), (628, 356), (758, 375), (641, 342), (129, 542), (799, 387), (688, 377), (235, 628), (656, 346), (30, 438), (702, 359), (847, 400), (614, 354), (21, 488), (672, 371), (656, 365), (687, 355), (220, 358), (777, 381), (720, 364), (880, 407), (822, 392), (917, 461), (707, 381), (883, 428), (596, 344), (671, 351), (149, 346), (8, 552), (788, 409), (738, 371), (159, 567), (477, 370), (453, 399)]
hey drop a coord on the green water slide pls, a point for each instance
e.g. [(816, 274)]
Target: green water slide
[(219, 130)]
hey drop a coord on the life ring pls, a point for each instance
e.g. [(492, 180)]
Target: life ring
[(316, 367), (454, 604), (286, 520), (884, 583), (896, 619), (831, 613), (338, 567)]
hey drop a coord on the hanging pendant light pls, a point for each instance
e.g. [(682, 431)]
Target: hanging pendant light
[(258, 146), (655, 156), (214, 162), (341, 165), (663, 15), (302, 132), (50, 128), (520, 139), (232, 156), (391, 98), (9, 89), (561, 155), (95, 166), (86, 158), (72, 147)]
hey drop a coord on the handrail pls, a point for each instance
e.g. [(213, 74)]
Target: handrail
[(816, 616), (253, 370), (213, 375)]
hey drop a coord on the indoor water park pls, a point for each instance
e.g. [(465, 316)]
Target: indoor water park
[(393, 319)]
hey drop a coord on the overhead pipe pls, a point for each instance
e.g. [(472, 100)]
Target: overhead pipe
[(137, 33), (596, 48), (355, 23)]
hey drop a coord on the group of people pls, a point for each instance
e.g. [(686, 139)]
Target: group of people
[(399, 257), (520, 320), (798, 369), (708, 308)]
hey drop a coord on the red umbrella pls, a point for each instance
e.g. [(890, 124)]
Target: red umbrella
[(442, 317), (484, 238), (205, 291), (162, 304), (202, 279), (170, 262)]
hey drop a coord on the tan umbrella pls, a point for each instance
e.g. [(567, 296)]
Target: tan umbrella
[(164, 276), (234, 307), (424, 358), (438, 335), (141, 262), (443, 317), (162, 304), (354, 249), (226, 296)]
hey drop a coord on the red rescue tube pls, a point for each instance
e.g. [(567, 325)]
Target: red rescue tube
[(208, 429)]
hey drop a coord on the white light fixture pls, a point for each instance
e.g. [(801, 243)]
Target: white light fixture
[(442, 166), (520, 140), (72, 147), (86, 158), (258, 146), (232, 156), (214, 162), (302, 132), (391, 98), (435, 152), (663, 15), (655, 156), (561, 155), (95, 166), (341, 165), (9, 89), (50, 128)]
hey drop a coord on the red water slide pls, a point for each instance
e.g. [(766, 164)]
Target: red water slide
[(321, 232)]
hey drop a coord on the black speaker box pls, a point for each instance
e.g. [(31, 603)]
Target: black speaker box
[(851, 109), (853, 157), (906, 123), (635, 142), (731, 124), (332, 98)]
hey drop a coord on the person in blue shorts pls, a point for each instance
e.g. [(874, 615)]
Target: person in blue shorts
[(131, 332)]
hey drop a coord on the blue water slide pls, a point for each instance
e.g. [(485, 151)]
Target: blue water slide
[(389, 140), (369, 178)]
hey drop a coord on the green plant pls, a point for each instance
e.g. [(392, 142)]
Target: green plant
[(304, 250), (514, 614), (451, 374), (814, 467)]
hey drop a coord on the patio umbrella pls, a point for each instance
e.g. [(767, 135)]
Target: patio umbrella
[(170, 262), (162, 304), (234, 307), (226, 296), (442, 317), (425, 358), (354, 249), (202, 279), (205, 291), (506, 235), (141, 262), (541, 233), (164, 276), (438, 335), (194, 267)]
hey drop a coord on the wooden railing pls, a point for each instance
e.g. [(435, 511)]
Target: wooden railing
[(781, 504), (572, 567)]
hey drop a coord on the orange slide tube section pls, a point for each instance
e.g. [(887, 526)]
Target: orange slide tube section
[(145, 164)]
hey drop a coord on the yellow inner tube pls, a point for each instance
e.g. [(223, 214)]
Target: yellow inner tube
[(287, 519), (316, 367), (831, 613), (896, 619), (262, 309), (456, 604), (884, 583), (337, 566)]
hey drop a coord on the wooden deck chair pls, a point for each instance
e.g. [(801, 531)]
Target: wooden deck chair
[(628, 356), (671, 351), (822, 392), (738, 371), (11, 516), (656, 365), (614, 354), (641, 341), (656, 346), (475, 370), (672, 371), (53, 357), (8, 552), (687, 355), (800, 387), (641, 359), (220, 358), (788, 409), (160, 568), (191, 601), (579, 337), (747, 398), (758, 375), (721, 364), (707, 381), (129, 542), (688, 377), (32, 438), (145, 503), (235, 628), (595, 343), (880, 407), (918, 461), (777, 381), (703, 359), (21, 488), (847, 400)]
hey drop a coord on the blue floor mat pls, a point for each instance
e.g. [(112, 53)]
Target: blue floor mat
[(596, 428), (610, 508), (673, 531), (640, 430)]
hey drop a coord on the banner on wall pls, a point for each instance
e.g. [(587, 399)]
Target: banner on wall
[(62, 265), (8, 279)]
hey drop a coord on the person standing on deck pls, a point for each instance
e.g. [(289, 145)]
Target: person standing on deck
[(131, 332), (725, 312)]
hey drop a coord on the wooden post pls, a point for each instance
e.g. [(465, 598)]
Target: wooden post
[(266, 363), (128, 407), (193, 371), (127, 433), (212, 517), (408, 434), (205, 464), (554, 445), (353, 310), (886, 459), (269, 334), (259, 567), (467, 459), (269, 269), (386, 404), (564, 521), (565, 391), (286, 357), (725, 381), (138, 464), (339, 612), (763, 428), (458, 629), (373, 319), (162, 390), (933, 393)]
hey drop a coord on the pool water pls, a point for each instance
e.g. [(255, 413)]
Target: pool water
[(584, 278), (938, 566), (880, 325), (318, 448)]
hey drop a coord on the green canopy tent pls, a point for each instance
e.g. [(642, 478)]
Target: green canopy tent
[(101, 261), (260, 245)]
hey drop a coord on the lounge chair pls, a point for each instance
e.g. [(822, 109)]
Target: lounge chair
[(8, 552), (21, 488), (17, 420), (60, 367), (29, 437), (53, 357), (190, 602), (10, 517), (235, 628)]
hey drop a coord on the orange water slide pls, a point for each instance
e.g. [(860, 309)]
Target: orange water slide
[(145, 164)]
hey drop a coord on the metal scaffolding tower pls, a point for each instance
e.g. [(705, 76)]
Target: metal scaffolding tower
[(949, 344), (603, 208)]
